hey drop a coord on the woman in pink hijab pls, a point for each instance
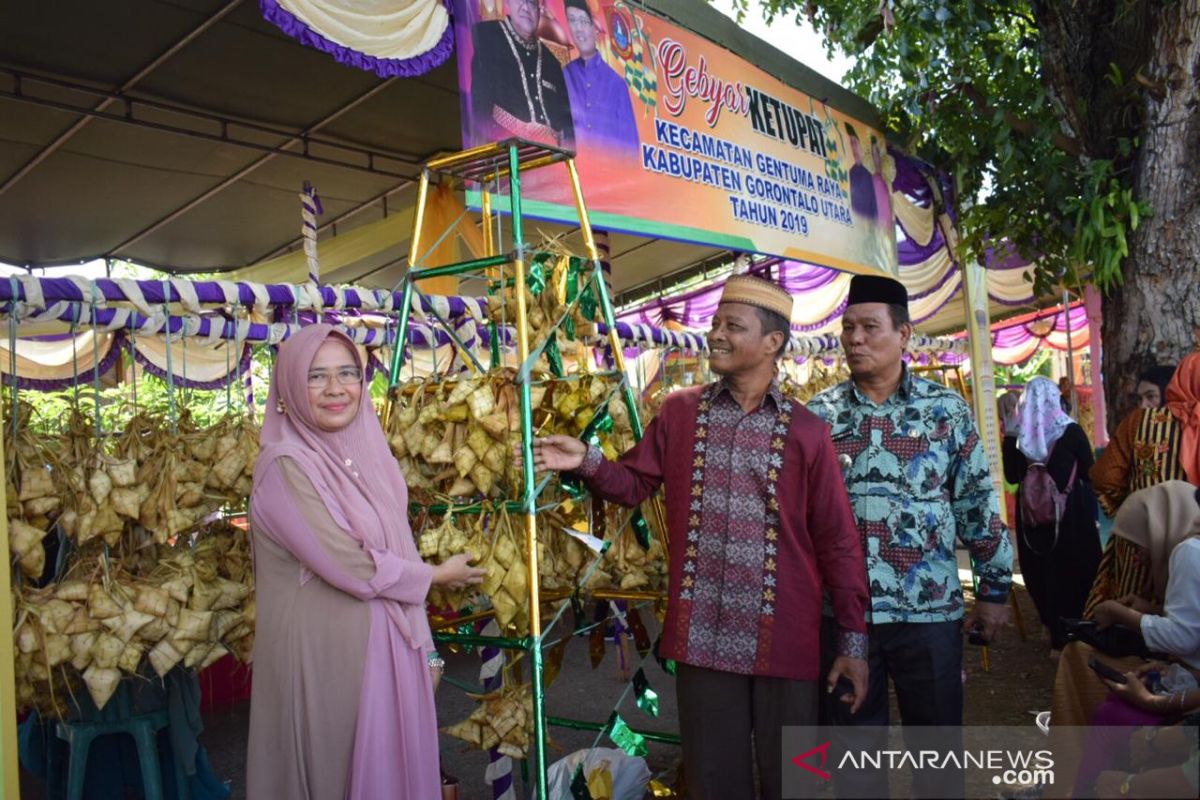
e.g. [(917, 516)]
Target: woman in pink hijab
[(342, 698)]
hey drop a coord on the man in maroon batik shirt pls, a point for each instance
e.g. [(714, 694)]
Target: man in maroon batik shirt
[(759, 524)]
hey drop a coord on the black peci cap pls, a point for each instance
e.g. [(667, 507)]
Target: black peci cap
[(876, 289)]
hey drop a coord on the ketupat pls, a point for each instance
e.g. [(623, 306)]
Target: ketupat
[(503, 720), (96, 626)]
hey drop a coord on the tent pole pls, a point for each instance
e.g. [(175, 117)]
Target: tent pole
[(1066, 306), (1091, 300)]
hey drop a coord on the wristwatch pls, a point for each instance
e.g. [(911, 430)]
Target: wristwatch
[(1126, 786)]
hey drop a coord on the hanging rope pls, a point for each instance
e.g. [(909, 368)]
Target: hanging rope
[(96, 365), (12, 367), (228, 379), (133, 362), (247, 390), (183, 340), (170, 366)]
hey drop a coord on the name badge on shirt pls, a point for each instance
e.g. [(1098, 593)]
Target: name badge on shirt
[(547, 85)]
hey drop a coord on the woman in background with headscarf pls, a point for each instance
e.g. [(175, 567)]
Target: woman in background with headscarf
[(1183, 401), (1152, 522), (1058, 560), (342, 698), (1147, 449), (1165, 520), (1144, 450)]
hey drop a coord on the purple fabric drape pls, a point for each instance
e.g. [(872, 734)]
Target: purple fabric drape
[(908, 252), (694, 309), (208, 292), (1022, 332), (296, 28)]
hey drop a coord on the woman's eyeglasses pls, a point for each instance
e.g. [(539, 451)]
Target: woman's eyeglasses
[(346, 376)]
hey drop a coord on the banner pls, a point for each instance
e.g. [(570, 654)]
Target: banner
[(675, 136)]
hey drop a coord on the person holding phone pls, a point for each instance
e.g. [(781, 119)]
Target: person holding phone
[(1126, 693), (1152, 700)]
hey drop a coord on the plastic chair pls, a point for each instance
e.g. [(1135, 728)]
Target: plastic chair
[(118, 717)]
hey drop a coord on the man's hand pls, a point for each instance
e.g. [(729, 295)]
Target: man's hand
[(558, 453), (988, 618), (855, 671)]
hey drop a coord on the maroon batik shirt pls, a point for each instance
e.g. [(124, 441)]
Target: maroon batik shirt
[(759, 523)]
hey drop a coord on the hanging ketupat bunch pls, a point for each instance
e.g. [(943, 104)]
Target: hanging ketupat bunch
[(127, 596), (496, 542), (820, 378), (503, 720), (174, 605), (554, 280), (455, 438), (31, 498), (438, 432), (148, 477), (464, 533), (627, 565)]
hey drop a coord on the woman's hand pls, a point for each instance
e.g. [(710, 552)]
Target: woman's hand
[(1112, 612), (1152, 666), (1137, 603), (436, 667), (1108, 783), (1135, 693), (457, 572)]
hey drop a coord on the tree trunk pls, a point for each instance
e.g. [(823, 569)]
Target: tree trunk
[(1154, 318)]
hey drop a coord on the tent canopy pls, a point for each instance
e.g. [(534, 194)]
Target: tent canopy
[(173, 134), (178, 134)]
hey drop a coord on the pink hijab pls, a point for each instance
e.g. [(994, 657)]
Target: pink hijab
[(372, 508)]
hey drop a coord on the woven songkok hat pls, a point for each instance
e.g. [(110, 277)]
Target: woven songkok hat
[(754, 291)]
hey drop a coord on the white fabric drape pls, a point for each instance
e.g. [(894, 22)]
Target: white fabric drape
[(57, 360), (379, 28), (916, 220)]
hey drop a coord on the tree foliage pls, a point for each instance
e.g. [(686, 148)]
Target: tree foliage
[(1038, 129)]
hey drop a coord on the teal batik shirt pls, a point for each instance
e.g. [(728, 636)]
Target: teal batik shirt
[(917, 476)]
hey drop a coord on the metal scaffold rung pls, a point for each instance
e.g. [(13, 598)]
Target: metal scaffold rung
[(484, 165), (488, 161)]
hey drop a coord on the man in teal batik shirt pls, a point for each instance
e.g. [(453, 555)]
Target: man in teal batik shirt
[(918, 480)]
